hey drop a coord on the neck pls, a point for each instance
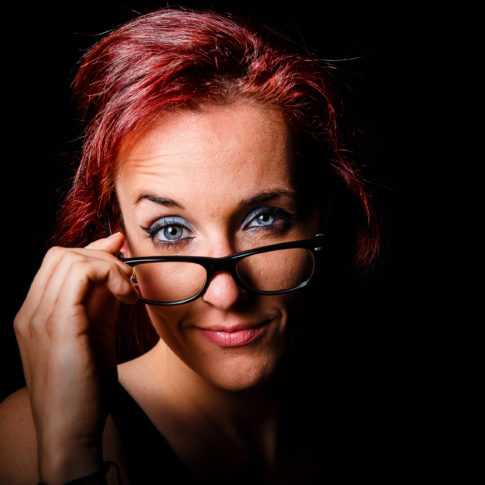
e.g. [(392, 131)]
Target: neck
[(189, 391), (242, 423)]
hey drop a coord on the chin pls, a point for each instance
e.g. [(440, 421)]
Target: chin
[(243, 367), (242, 374)]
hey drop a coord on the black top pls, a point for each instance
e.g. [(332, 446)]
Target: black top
[(151, 460), (148, 454)]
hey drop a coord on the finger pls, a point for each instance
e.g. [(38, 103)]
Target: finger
[(84, 274), (78, 275), (44, 295), (106, 256), (46, 276), (109, 248), (39, 284), (111, 244)]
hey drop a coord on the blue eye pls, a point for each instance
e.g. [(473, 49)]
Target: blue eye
[(169, 230), (273, 218), (170, 233), (264, 219)]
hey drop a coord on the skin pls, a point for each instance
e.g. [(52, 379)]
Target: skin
[(211, 168)]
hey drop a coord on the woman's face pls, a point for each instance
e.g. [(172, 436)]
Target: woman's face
[(212, 183)]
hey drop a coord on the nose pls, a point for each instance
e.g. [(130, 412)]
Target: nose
[(223, 292)]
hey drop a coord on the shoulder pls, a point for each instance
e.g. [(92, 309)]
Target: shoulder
[(18, 448)]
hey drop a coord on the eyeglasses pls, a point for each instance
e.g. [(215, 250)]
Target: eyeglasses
[(267, 270)]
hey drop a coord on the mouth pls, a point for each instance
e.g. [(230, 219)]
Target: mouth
[(236, 335)]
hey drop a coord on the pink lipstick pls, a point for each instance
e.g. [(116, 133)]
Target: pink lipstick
[(234, 336)]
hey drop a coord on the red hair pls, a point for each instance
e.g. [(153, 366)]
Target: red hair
[(173, 58)]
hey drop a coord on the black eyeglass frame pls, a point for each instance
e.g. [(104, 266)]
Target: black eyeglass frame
[(228, 264)]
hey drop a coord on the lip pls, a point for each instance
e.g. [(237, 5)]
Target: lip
[(234, 336)]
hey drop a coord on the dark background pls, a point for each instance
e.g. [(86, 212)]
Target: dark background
[(408, 333)]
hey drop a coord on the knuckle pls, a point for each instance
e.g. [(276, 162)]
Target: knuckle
[(36, 322), (53, 322), (58, 256), (62, 255), (119, 282), (68, 255), (85, 269), (25, 326), (73, 262), (20, 323), (77, 265), (122, 283), (53, 253)]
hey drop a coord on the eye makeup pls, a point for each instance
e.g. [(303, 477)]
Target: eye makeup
[(268, 218), (169, 231)]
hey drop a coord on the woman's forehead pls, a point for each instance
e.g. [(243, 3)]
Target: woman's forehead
[(236, 144), (211, 128)]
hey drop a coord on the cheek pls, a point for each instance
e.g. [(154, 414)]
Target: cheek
[(168, 321)]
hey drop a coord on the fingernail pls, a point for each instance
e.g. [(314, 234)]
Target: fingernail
[(116, 234)]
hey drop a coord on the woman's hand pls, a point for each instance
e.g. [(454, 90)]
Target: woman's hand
[(65, 331)]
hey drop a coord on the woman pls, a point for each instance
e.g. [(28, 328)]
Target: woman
[(205, 137)]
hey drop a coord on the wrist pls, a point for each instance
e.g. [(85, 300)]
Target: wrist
[(97, 478), (58, 466)]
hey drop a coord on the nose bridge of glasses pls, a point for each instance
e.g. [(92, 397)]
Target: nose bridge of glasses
[(222, 265)]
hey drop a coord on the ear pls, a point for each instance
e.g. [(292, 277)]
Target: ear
[(125, 249)]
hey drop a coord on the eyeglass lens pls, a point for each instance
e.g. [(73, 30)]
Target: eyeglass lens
[(278, 270)]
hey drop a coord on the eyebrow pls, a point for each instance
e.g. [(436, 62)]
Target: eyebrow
[(257, 199), (270, 195), (165, 201)]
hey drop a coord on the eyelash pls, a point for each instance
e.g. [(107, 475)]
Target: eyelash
[(164, 223), (282, 219)]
